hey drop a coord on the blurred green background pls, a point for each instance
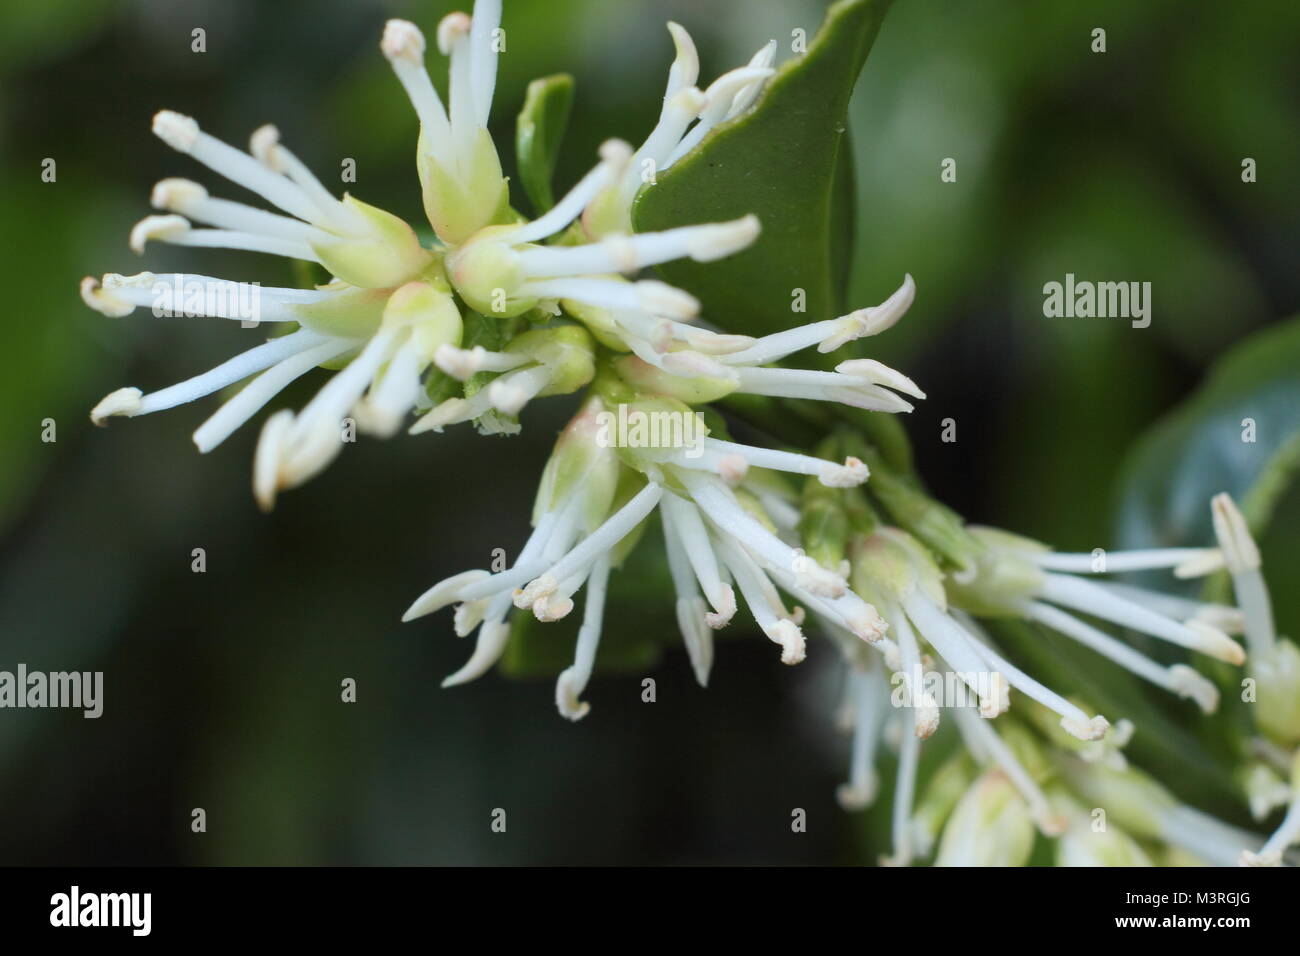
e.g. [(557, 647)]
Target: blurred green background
[(223, 688)]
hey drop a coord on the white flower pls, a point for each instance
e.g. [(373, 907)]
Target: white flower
[(460, 173), (389, 312), (1046, 586), (715, 539), (695, 364), (1150, 812), (674, 136), (501, 271)]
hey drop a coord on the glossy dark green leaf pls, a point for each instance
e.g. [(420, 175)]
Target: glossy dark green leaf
[(538, 133), (1239, 433), (788, 162)]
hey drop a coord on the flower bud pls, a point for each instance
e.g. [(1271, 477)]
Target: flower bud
[(430, 312), (945, 788), (1082, 845), (487, 274), (351, 314), (1001, 576), (386, 254), (582, 462), (648, 380), (990, 826), (1277, 688), (566, 350), (459, 207)]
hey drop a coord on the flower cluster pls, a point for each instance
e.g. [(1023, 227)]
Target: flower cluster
[(496, 310)]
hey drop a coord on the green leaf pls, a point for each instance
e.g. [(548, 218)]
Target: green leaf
[(1202, 447), (788, 162), (538, 133)]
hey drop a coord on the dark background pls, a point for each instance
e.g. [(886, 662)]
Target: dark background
[(222, 688)]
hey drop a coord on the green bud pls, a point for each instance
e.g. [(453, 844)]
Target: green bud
[(486, 273), (608, 213), (941, 794), (352, 314), (430, 312), (938, 527), (1265, 791), (890, 565), (387, 255), (1089, 842), (457, 208), (1277, 689), (1002, 576), (1128, 796), (580, 462), (1028, 750), (823, 526), (599, 323), (862, 517), (648, 380), (567, 350), (990, 826)]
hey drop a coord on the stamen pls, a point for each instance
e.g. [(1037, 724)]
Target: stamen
[(615, 528), (1087, 597), (227, 373), (868, 718), (512, 391), (877, 373), (192, 200), (904, 793), (572, 682), (925, 711), (254, 396), (690, 607), (683, 520), (719, 98), (764, 603), (403, 45), (483, 57), (462, 364), (1226, 618), (184, 135), (491, 644), (685, 70), (627, 254), (725, 511), (647, 295), (267, 149), (614, 157), (176, 230), (1116, 561), (1243, 561), (1179, 679), (984, 737), (848, 475)]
